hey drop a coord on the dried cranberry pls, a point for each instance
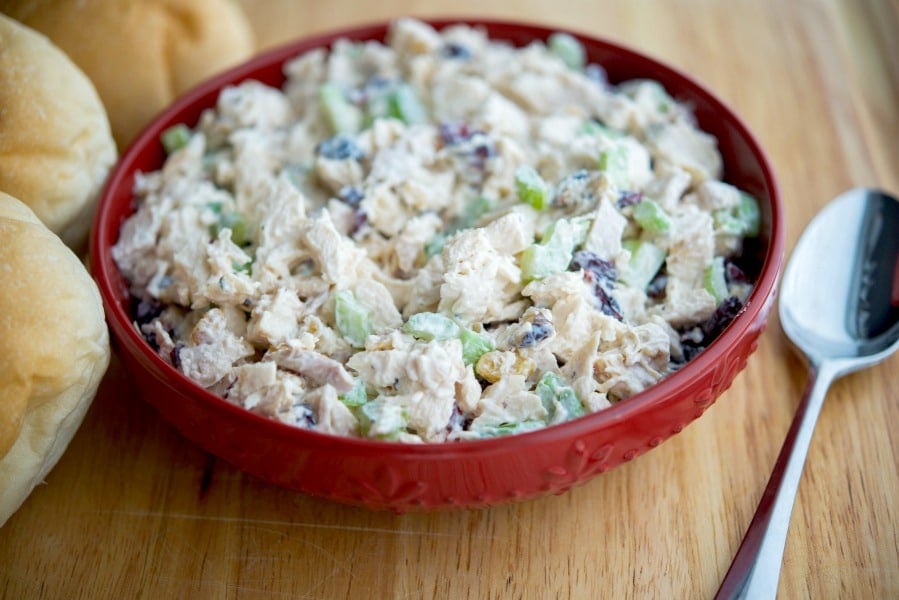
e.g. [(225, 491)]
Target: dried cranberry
[(597, 74), (657, 288), (540, 330), (590, 261), (146, 310), (456, 50), (734, 274), (351, 195), (340, 147), (453, 132), (601, 275), (627, 198), (175, 355), (729, 308)]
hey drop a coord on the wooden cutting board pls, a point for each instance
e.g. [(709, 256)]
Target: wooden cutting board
[(133, 511)]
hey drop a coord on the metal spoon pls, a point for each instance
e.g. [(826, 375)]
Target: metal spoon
[(839, 305)]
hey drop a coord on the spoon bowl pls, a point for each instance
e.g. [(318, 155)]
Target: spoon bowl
[(839, 305)]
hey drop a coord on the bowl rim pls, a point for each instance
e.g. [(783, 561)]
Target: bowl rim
[(104, 234)]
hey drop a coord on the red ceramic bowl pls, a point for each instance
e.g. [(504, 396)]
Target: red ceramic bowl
[(402, 477)]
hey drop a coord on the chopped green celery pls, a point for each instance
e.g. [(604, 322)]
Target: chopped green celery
[(342, 115), (615, 163), (387, 417), (353, 320), (431, 326), (531, 187), (552, 387), (651, 217), (538, 261), (569, 49), (473, 211), (502, 429), (591, 127), (474, 345), (233, 221), (646, 260), (567, 233), (215, 207), (356, 396), (405, 105), (175, 137), (246, 267), (435, 246), (713, 280), (553, 253), (470, 215), (744, 219), (749, 214)]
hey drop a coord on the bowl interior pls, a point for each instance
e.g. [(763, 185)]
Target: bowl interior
[(746, 166)]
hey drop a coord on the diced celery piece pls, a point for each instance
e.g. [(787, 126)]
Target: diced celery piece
[(553, 253), (233, 221), (615, 163), (569, 49), (651, 217), (474, 345), (246, 267), (473, 211), (175, 137), (531, 187), (749, 214), (435, 246), (567, 233), (509, 428), (744, 219), (713, 280), (646, 260), (353, 320), (356, 396), (343, 116), (387, 419), (431, 326), (405, 105), (591, 127), (552, 387), (538, 261)]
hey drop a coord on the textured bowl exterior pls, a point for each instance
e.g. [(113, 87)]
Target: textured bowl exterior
[(403, 477)]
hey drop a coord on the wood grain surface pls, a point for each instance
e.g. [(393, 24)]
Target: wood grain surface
[(134, 511)]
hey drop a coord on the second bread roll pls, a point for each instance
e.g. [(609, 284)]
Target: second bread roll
[(141, 54)]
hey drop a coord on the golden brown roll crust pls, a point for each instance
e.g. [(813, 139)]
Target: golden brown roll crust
[(141, 54), (54, 350), (56, 148)]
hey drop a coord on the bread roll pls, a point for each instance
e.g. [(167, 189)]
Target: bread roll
[(54, 349), (141, 54), (56, 148)]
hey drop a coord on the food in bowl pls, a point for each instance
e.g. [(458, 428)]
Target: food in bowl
[(440, 237)]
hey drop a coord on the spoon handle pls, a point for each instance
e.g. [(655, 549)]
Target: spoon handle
[(755, 570)]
